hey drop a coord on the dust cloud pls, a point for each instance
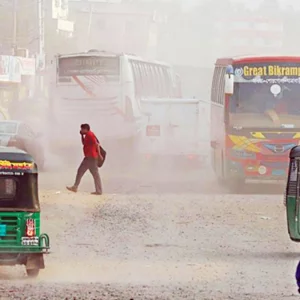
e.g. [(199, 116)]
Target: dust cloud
[(165, 227), (189, 35)]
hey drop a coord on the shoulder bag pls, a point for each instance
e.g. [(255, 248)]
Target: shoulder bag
[(103, 154)]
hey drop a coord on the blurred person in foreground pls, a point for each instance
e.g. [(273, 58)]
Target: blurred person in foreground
[(298, 276), (91, 150)]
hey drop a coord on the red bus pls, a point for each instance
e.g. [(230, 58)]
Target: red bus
[(255, 118)]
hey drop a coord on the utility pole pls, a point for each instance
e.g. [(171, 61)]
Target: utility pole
[(14, 33), (41, 61), (90, 24), (41, 18)]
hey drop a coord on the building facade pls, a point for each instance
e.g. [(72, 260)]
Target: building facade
[(116, 26)]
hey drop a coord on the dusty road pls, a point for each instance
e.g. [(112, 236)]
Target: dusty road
[(171, 235)]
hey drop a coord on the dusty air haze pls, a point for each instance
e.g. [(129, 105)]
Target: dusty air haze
[(164, 228)]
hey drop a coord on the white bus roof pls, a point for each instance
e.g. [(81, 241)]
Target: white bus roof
[(96, 53), (112, 54)]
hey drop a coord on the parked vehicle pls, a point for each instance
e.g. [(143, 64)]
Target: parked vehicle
[(21, 242), (20, 135), (176, 129)]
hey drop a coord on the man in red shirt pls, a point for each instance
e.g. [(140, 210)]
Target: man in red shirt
[(90, 161)]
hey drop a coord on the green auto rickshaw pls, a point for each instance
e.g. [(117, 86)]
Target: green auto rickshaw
[(21, 242)]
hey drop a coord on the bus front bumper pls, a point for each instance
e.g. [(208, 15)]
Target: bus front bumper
[(259, 175), (265, 181)]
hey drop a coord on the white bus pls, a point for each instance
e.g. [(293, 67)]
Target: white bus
[(106, 90)]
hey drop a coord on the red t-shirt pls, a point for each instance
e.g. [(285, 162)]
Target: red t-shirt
[(90, 145)]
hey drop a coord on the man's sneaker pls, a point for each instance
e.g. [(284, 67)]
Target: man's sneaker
[(72, 189), (96, 193)]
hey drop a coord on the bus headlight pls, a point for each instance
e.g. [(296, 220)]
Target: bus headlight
[(262, 170)]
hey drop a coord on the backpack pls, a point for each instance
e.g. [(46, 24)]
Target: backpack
[(103, 154)]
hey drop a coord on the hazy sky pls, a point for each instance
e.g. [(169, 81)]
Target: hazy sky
[(250, 3)]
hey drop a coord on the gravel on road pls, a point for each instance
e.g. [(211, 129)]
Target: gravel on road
[(160, 235)]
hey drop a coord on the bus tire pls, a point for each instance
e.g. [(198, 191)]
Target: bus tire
[(220, 171), (213, 160), (235, 186), (222, 166)]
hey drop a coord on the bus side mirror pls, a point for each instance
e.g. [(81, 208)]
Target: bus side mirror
[(229, 80), (229, 84)]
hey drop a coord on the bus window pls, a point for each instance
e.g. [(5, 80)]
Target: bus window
[(171, 82), (221, 86), (150, 80), (147, 79), (145, 92), (215, 85), (177, 89), (168, 82), (154, 80), (164, 90), (158, 80), (141, 79), (161, 80), (137, 79), (151, 90)]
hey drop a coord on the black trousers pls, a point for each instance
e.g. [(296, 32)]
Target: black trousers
[(89, 163)]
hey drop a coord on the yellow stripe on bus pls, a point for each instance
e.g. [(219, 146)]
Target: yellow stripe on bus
[(258, 135), (243, 143)]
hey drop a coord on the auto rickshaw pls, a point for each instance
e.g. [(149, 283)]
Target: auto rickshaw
[(20, 240)]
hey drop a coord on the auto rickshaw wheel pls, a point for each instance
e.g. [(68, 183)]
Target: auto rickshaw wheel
[(32, 273)]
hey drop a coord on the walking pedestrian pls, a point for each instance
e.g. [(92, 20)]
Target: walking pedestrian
[(91, 150)]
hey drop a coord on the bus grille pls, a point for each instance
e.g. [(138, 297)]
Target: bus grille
[(276, 164), (11, 230)]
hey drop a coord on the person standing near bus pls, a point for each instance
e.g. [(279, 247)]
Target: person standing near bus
[(91, 152)]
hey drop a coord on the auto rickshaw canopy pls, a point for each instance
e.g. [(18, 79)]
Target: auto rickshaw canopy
[(18, 181), (295, 152)]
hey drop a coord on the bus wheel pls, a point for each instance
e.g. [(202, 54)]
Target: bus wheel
[(32, 273), (236, 186), (221, 181), (220, 172)]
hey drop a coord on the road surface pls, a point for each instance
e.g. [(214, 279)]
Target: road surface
[(172, 234)]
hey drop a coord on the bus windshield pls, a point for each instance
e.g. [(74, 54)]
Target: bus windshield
[(89, 66), (266, 102), (86, 77)]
